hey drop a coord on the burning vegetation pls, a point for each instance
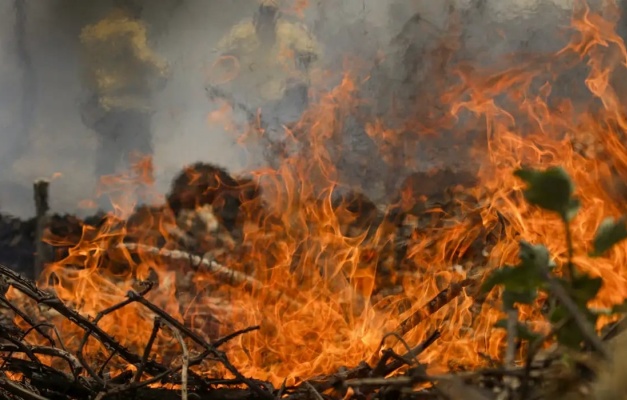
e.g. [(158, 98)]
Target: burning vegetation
[(498, 272)]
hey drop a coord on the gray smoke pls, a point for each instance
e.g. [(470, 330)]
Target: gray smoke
[(40, 75), (41, 130)]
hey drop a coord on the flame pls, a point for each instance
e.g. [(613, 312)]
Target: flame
[(313, 288)]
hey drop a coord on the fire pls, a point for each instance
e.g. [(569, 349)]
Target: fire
[(313, 288)]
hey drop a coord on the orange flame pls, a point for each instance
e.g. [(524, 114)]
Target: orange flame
[(317, 300)]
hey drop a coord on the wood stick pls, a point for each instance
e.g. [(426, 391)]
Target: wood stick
[(225, 274), (185, 360), (440, 300), (42, 250)]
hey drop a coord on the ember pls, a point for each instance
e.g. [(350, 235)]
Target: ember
[(302, 280)]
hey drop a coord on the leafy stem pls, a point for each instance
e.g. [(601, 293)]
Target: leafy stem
[(570, 267), (573, 322)]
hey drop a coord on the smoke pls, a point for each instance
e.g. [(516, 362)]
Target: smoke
[(41, 129), (40, 75)]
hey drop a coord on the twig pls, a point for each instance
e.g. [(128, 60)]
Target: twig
[(19, 346), (193, 361), (571, 249), (512, 330), (324, 383), (439, 301), (615, 330), (147, 349), (510, 350), (184, 360), (226, 275), (413, 353), (138, 385), (534, 347), (583, 324), (28, 320), (182, 237), (313, 391), (388, 353), (379, 381), (233, 335), (104, 364), (74, 364), (99, 316), (363, 370), (52, 301), (18, 390), (200, 341), (85, 364), (34, 326), (87, 333)]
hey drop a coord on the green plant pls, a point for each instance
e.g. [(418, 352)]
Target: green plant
[(568, 296)]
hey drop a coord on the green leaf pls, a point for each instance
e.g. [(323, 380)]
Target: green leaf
[(610, 232), (551, 189), (572, 209), (515, 279), (569, 335), (520, 296), (501, 276), (522, 330), (535, 258), (585, 288), (523, 281)]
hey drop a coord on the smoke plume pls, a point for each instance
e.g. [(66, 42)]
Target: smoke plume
[(40, 74)]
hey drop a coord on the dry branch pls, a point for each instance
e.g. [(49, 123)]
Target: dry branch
[(224, 274), (48, 380), (439, 301)]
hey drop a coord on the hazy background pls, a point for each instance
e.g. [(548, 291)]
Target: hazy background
[(41, 133)]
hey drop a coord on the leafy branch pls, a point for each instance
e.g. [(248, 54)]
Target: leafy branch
[(568, 295)]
